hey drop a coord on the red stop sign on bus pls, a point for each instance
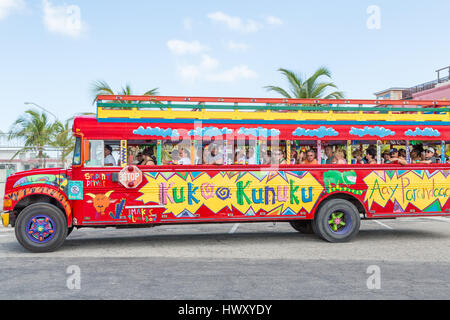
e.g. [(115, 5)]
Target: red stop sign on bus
[(130, 177)]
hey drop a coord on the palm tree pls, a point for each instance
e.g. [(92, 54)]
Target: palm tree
[(101, 87), (36, 131), (64, 139), (301, 87)]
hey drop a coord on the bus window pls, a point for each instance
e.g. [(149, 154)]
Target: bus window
[(214, 153), (111, 153), (96, 153), (77, 152)]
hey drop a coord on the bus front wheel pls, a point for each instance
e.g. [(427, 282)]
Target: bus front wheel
[(337, 220), (41, 227)]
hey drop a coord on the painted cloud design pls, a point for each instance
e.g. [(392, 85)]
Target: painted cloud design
[(319, 132), (209, 132), (156, 132), (259, 132), (427, 132), (372, 131)]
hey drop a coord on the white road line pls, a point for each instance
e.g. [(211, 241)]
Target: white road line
[(234, 228), (4, 235), (382, 224)]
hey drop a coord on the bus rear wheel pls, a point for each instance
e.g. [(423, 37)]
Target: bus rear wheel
[(337, 221), (41, 227), (303, 226)]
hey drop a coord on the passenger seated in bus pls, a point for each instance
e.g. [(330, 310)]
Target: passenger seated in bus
[(251, 156), (310, 157), (328, 154), (149, 159), (279, 157), (294, 157), (240, 156), (265, 157), (175, 157), (109, 159), (386, 158), (215, 157), (415, 156), (301, 157), (430, 156), (184, 157), (371, 154), (139, 159), (396, 158), (358, 157), (206, 154), (339, 157)]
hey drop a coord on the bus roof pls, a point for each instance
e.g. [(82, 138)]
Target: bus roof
[(160, 118)]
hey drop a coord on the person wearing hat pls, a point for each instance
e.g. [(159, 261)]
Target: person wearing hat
[(430, 156), (109, 159), (139, 158), (396, 158)]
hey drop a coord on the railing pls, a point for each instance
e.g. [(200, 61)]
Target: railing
[(408, 93), (158, 102), (141, 107)]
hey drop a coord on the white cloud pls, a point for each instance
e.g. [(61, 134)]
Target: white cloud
[(63, 19), (232, 75), (189, 73), (274, 20), (180, 47), (193, 72), (235, 23), (9, 6), (207, 69), (236, 46), (208, 63)]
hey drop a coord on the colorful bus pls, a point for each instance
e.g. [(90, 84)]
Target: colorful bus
[(320, 165)]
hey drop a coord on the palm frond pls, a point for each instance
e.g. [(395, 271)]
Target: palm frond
[(100, 87), (279, 90), (309, 88)]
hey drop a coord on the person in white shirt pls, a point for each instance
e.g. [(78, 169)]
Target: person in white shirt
[(184, 157), (109, 159), (251, 156)]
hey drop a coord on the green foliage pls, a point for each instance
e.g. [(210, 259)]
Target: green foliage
[(100, 88), (301, 87), (63, 138), (36, 131)]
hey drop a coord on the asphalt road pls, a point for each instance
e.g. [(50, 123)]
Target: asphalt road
[(389, 259)]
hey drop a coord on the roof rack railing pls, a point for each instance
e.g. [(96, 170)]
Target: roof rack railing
[(268, 101), (115, 106)]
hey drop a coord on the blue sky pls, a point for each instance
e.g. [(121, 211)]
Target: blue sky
[(51, 51)]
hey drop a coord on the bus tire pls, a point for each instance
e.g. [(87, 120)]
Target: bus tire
[(41, 227), (303, 226), (337, 220)]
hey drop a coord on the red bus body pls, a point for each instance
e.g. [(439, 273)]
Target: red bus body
[(169, 194)]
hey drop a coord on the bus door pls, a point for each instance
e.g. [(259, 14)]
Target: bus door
[(106, 201)]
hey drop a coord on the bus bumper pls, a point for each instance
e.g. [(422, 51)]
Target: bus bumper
[(5, 219)]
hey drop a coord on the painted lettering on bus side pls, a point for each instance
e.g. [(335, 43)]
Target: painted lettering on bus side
[(96, 179), (423, 189), (291, 192)]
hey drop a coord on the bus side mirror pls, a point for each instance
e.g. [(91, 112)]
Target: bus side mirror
[(86, 149)]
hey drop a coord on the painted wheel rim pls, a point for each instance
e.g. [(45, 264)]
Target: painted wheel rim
[(40, 229), (339, 222)]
